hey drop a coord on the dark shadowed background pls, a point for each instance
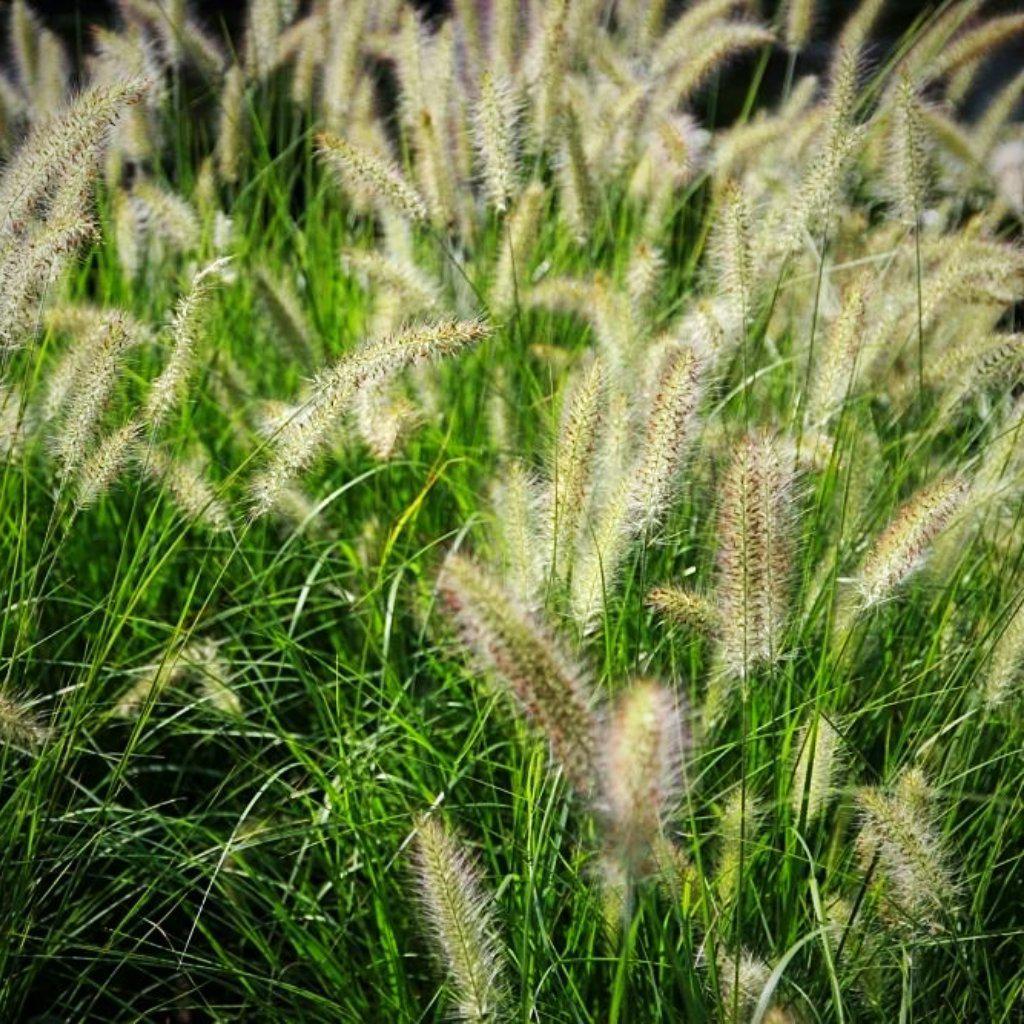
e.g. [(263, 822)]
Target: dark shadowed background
[(72, 18)]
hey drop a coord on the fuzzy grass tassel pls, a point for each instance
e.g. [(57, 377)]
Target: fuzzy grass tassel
[(904, 545), (755, 525), (378, 177), (917, 888), (299, 440), (460, 921), (642, 771), (816, 768), (186, 333), (512, 643)]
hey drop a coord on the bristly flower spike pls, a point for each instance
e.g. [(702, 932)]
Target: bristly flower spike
[(573, 463), (459, 919), (755, 525), (495, 136), (297, 443), (641, 771), (816, 768), (905, 543), (513, 644), (185, 333), (379, 177), (668, 436)]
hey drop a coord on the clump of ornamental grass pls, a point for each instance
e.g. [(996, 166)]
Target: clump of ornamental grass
[(523, 655), (296, 444), (817, 263), (459, 919), (914, 882)]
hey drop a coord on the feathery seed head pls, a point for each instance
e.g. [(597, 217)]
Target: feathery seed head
[(460, 921), (683, 606), (904, 545), (668, 436), (837, 367), (299, 440), (737, 823), (1006, 664), (523, 224), (817, 765), (63, 147), (231, 125), (642, 770), (19, 725), (908, 163), (917, 886), (799, 22), (516, 505), (495, 136), (741, 979), (104, 465), (646, 265), (94, 382), (185, 482), (576, 185), (573, 463), (186, 333), (519, 650), (755, 525), (380, 178)]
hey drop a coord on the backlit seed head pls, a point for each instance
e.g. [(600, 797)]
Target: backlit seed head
[(916, 885), (818, 763), (520, 651), (755, 527), (459, 918), (904, 545), (642, 770), (378, 176)]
